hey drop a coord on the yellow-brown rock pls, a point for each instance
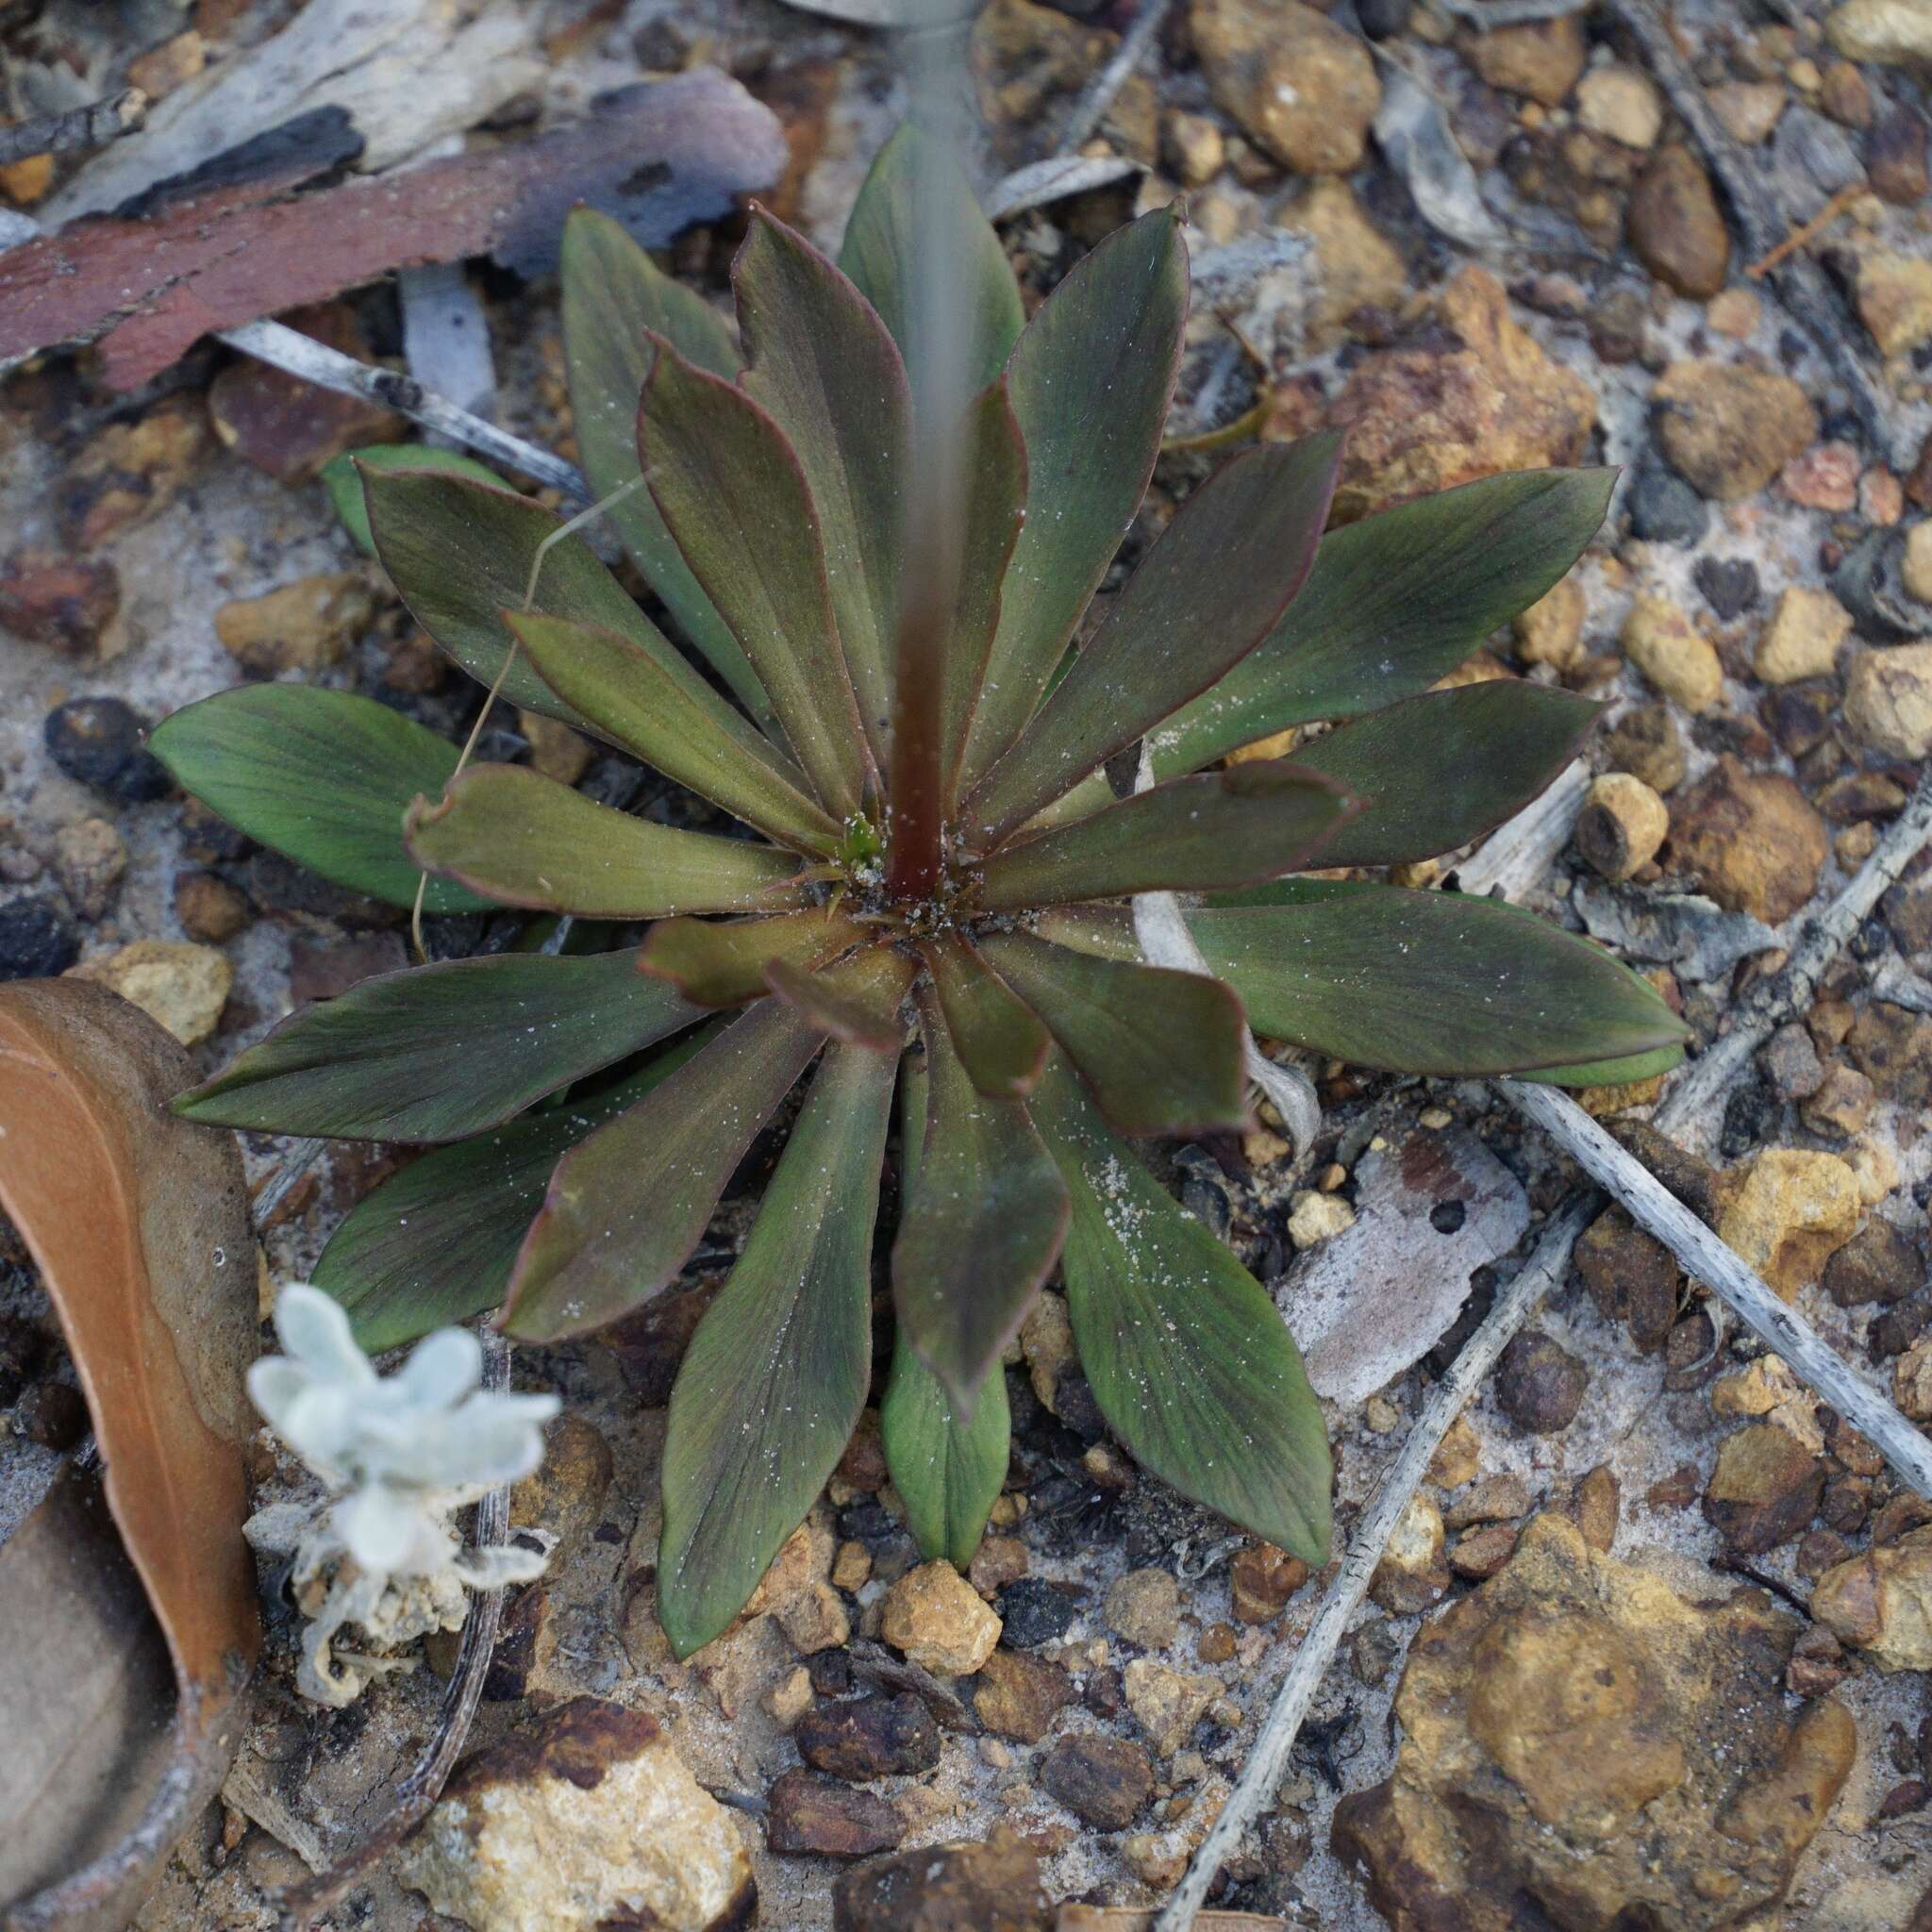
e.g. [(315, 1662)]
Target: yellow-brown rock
[(1881, 1602), (1425, 419), (1361, 267), (1299, 85), (937, 1620), (1583, 1746), (1795, 1211), (1728, 428)]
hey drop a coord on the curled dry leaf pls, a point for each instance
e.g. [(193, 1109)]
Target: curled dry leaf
[(139, 1225)]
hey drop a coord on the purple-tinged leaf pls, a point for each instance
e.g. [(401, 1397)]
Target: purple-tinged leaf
[(1001, 1043), (981, 1229), (916, 200), (856, 1002), (615, 299), (775, 1380), (324, 777), (948, 1471), (1091, 379), (733, 495), (992, 464), (443, 1051), (1393, 603), (521, 838), (1436, 772), (671, 718), (1251, 823), (825, 367), (1190, 1362), (1161, 1049), (460, 553), (627, 1205), (1207, 593), (716, 962), (435, 1244), (1426, 982)]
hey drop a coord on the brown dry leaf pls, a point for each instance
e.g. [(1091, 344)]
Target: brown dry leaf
[(658, 158), (139, 1225)]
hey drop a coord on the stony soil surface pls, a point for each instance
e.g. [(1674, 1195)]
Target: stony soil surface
[(1655, 1634)]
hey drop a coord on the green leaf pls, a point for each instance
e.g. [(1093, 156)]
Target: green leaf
[(523, 840), (615, 299), (1394, 603), (1426, 982), (916, 206), (672, 719), (1161, 1049), (1001, 1043), (1436, 772), (321, 777), (775, 1380), (721, 962), (981, 1229), (1191, 1363), (825, 367), (734, 496), (1091, 378), (627, 1206), (948, 1472), (441, 1051), (856, 1002), (435, 1244), (460, 554), (339, 477), (1642, 1066), (1253, 821), (1207, 593)]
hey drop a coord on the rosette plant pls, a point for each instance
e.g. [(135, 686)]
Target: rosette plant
[(904, 869)]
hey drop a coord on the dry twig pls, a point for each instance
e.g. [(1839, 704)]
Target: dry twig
[(1660, 1213), (299, 355), (93, 126), (1091, 108)]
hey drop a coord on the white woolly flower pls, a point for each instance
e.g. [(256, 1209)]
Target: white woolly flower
[(399, 1454)]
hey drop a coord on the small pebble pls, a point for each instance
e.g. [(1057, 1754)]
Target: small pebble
[(37, 937), (99, 742)]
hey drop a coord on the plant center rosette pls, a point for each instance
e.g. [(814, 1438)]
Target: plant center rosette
[(900, 876)]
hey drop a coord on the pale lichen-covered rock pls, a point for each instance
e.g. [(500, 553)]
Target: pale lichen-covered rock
[(1673, 653), (1881, 1602), (936, 1619), (588, 1819), (179, 986), (1889, 699), (1894, 33), (1803, 637), (1168, 1704), (1583, 1746)]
